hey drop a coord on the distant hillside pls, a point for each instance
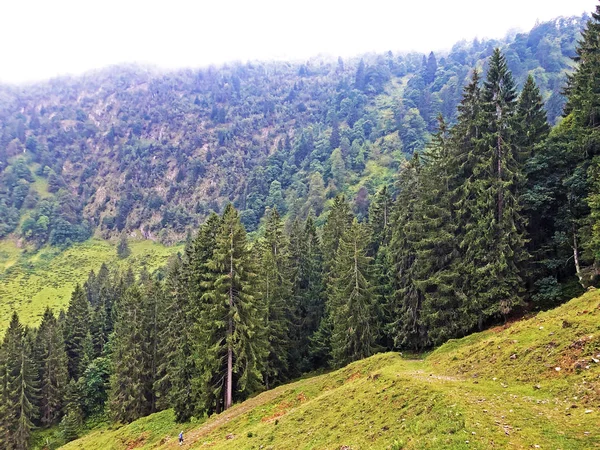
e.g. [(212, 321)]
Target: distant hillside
[(29, 283), (529, 384), (137, 150)]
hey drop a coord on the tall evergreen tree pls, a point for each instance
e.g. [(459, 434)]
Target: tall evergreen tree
[(53, 373), (127, 398), (405, 326), (353, 303), (583, 116), (275, 290), (233, 316), (19, 399), (75, 331), (308, 291), (492, 220)]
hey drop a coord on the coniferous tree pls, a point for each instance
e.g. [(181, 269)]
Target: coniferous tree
[(583, 117), (276, 294), (353, 302), (308, 292), (490, 219), (21, 389), (76, 331), (53, 374), (338, 221), (437, 250), (207, 385), (127, 398), (405, 326), (153, 303), (175, 373), (233, 316)]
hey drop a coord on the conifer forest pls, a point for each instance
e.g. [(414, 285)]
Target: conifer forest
[(330, 211)]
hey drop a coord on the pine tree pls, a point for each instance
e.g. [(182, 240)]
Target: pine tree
[(353, 303), (76, 330), (53, 372), (231, 315), (276, 295)]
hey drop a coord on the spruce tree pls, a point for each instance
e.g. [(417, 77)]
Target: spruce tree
[(275, 290), (234, 347), (339, 220), (75, 331), (53, 372), (308, 291), (20, 385), (353, 303), (127, 398), (175, 373), (437, 251), (582, 112), (404, 326)]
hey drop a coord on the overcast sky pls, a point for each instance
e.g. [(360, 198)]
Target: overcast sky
[(44, 38)]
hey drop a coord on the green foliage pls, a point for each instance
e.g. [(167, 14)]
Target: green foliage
[(20, 388), (352, 303), (123, 250)]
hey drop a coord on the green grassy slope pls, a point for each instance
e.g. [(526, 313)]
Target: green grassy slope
[(30, 282), (496, 389)]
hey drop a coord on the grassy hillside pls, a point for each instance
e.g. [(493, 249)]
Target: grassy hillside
[(496, 389), (30, 282)]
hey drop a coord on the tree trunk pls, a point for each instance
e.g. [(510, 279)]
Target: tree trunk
[(500, 192), (229, 388), (576, 259)]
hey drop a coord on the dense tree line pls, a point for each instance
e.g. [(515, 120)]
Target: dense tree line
[(131, 149), (498, 214)]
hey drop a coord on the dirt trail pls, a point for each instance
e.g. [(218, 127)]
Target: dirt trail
[(193, 436)]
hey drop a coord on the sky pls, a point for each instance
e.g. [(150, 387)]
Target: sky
[(42, 39)]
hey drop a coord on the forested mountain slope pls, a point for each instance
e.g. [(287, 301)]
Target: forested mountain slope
[(135, 149), (497, 216)]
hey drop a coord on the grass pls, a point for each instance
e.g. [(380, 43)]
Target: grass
[(471, 393), (29, 282)]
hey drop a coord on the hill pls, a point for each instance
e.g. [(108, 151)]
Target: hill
[(30, 282), (534, 383), (138, 150)]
